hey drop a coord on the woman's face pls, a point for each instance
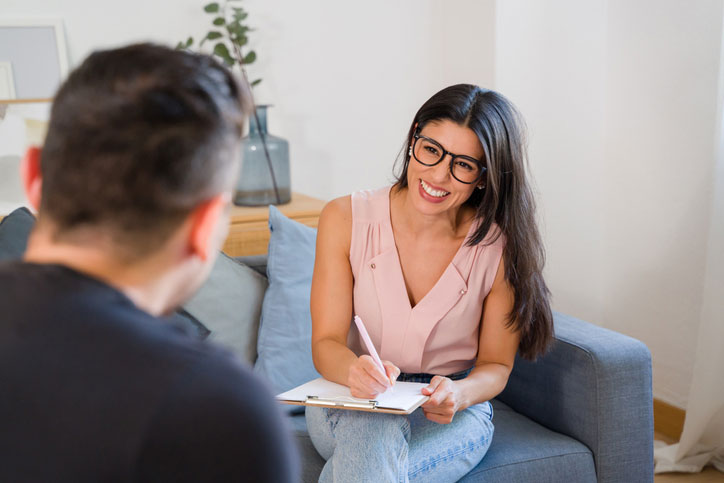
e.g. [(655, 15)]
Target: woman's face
[(432, 188)]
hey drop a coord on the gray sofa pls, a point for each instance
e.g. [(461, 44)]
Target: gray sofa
[(582, 413)]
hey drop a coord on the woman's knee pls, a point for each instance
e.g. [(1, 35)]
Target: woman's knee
[(448, 452)]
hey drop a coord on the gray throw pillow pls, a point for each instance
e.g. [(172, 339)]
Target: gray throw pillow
[(229, 305), (14, 232)]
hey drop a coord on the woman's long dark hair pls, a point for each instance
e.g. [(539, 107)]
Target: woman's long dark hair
[(506, 200)]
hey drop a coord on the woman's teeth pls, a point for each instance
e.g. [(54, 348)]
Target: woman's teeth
[(432, 192)]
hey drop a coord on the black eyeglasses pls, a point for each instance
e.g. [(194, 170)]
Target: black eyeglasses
[(429, 152)]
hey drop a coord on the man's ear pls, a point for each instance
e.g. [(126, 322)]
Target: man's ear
[(31, 176), (203, 221)]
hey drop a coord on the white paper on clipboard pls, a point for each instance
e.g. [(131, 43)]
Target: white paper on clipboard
[(406, 397)]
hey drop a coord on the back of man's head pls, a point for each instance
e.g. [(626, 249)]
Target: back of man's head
[(138, 137)]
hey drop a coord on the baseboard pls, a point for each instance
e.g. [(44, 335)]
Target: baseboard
[(668, 419)]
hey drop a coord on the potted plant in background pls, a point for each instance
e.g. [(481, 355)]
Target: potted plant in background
[(264, 177)]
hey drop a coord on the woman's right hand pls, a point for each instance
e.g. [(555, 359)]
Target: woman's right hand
[(365, 380)]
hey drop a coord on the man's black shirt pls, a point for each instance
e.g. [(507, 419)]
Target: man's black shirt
[(94, 389)]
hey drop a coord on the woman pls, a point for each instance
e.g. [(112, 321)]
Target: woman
[(444, 268)]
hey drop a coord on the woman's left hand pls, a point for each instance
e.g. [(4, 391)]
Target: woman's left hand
[(445, 400)]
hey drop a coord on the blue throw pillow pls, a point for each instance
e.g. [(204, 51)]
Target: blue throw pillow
[(284, 343)]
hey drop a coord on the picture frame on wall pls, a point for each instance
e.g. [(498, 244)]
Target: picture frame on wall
[(7, 82), (33, 58)]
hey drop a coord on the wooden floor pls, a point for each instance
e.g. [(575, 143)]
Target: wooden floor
[(709, 475)]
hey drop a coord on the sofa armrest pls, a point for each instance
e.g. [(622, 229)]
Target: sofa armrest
[(595, 386)]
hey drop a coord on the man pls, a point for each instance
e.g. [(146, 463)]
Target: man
[(133, 190)]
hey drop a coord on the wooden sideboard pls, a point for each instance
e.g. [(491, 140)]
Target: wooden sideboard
[(249, 229)]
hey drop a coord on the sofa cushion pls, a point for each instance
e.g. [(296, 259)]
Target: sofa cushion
[(284, 345), (229, 305), (522, 451), (14, 232)]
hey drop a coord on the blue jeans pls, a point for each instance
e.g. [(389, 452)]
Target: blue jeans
[(370, 447)]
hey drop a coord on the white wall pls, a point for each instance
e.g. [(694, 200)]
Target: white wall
[(660, 155), (346, 79), (620, 97), (550, 63)]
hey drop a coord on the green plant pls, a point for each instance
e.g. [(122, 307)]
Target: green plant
[(230, 31), (229, 34)]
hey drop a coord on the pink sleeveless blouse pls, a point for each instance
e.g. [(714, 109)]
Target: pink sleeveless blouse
[(440, 334)]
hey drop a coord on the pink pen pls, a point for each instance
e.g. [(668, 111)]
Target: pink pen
[(368, 343)]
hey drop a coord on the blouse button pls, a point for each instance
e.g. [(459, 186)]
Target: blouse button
[(372, 266), (462, 292)]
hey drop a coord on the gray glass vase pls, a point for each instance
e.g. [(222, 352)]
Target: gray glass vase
[(255, 186)]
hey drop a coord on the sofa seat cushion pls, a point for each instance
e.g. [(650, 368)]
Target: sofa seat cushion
[(522, 451)]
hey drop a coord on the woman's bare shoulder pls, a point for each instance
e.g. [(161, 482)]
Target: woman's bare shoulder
[(335, 221), (339, 208)]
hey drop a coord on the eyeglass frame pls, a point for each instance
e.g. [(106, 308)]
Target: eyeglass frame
[(483, 168)]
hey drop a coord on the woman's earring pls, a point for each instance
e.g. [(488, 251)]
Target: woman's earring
[(409, 151), (481, 186)]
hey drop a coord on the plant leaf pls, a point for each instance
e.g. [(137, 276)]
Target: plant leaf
[(249, 58), (219, 21), (189, 42), (211, 8), (222, 51), (256, 83), (180, 46), (213, 35)]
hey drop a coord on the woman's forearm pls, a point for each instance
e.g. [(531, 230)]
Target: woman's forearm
[(332, 360), (484, 382)]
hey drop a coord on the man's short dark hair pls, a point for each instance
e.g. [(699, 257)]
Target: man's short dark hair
[(138, 137)]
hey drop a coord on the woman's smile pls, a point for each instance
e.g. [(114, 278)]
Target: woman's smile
[(431, 192)]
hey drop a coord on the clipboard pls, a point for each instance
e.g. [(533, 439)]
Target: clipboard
[(403, 399)]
